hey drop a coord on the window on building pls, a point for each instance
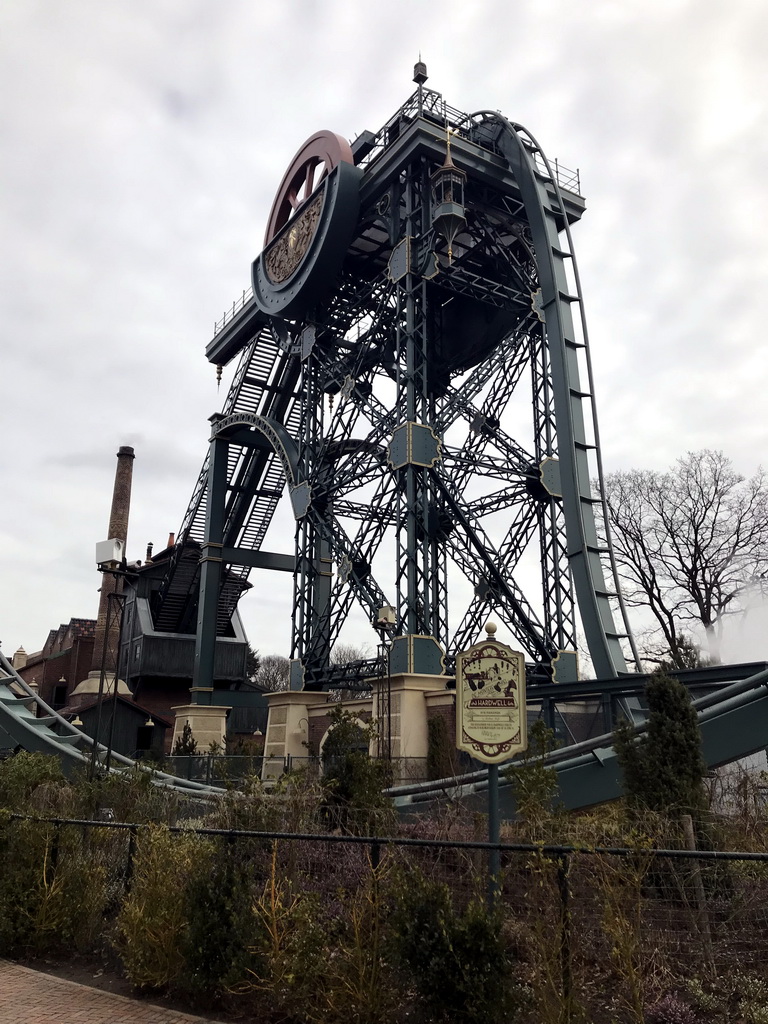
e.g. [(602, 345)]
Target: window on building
[(59, 696)]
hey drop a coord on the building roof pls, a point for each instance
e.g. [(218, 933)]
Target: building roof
[(65, 636), (158, 719)]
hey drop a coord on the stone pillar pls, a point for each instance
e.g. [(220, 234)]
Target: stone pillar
[(408, 697), (208, 723), (287, 728)]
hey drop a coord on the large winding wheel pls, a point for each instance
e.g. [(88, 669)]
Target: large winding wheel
[(311, 165)]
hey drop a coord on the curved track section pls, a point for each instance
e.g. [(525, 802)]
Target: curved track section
[(733, 723), (51, 733), (567, 337)]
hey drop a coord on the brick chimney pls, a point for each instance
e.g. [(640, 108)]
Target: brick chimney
[(118, 529)]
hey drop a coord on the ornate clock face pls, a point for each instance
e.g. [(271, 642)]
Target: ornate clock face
[(310, 227)]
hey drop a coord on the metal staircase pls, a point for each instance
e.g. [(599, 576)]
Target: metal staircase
[(265, 384)]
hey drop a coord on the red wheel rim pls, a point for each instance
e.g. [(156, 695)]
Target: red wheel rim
[(313, 162)]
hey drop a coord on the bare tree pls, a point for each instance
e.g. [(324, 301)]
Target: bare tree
[(690, 544), (273, 672), (347, 654)]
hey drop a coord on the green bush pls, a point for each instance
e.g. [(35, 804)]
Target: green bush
[(664, 769), (186, 744), (221, 928), (458, 960), (353, 782)]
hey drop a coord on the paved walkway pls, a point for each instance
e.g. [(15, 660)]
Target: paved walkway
[(31, 997)]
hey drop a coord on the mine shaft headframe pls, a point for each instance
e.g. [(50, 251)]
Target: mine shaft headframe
[(438, 228)]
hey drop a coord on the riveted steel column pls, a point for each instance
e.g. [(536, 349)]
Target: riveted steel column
[(211, 570), (413, 386), (311, 644)]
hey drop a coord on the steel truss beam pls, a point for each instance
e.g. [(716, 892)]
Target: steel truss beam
[(395, 448)]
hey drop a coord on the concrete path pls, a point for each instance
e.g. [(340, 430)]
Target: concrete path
[(31, 997)]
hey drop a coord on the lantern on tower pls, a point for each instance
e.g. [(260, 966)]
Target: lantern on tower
[(448, 216)]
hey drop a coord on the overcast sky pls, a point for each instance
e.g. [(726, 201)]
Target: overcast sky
[(143, 141)]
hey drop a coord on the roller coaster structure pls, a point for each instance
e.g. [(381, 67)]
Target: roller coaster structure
[(733, 720), (413, 284)]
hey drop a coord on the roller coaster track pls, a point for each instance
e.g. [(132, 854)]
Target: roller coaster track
[(51, 733), (733, 723)]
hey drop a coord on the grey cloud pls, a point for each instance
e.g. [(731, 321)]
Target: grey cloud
[(142, 145)]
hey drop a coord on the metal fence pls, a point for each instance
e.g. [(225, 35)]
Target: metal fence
[(603, 929), (213, 769)]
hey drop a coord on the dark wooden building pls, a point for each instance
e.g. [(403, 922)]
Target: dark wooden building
[(136, 732)]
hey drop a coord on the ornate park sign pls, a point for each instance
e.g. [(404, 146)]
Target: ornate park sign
[(490, 700)]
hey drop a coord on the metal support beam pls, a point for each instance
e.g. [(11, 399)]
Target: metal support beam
[(211, 561)]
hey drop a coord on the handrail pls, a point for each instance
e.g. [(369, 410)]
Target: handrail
[(230, 314)]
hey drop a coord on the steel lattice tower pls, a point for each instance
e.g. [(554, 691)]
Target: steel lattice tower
[(415, 298)]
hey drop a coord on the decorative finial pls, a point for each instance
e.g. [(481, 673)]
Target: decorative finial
[(219, 369), (448, 215), (448, 163), (490, 628)]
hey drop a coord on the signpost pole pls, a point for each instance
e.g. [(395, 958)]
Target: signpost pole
[(494, 855), (491, 724)]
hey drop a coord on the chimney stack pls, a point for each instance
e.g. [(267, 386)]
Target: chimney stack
[(118, 529)]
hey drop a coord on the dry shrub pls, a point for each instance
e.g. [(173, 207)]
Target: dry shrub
[(152, 923), (52, 891), (288, 965), (290, 805), (361, 986), (25, 773), (130, 795)]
